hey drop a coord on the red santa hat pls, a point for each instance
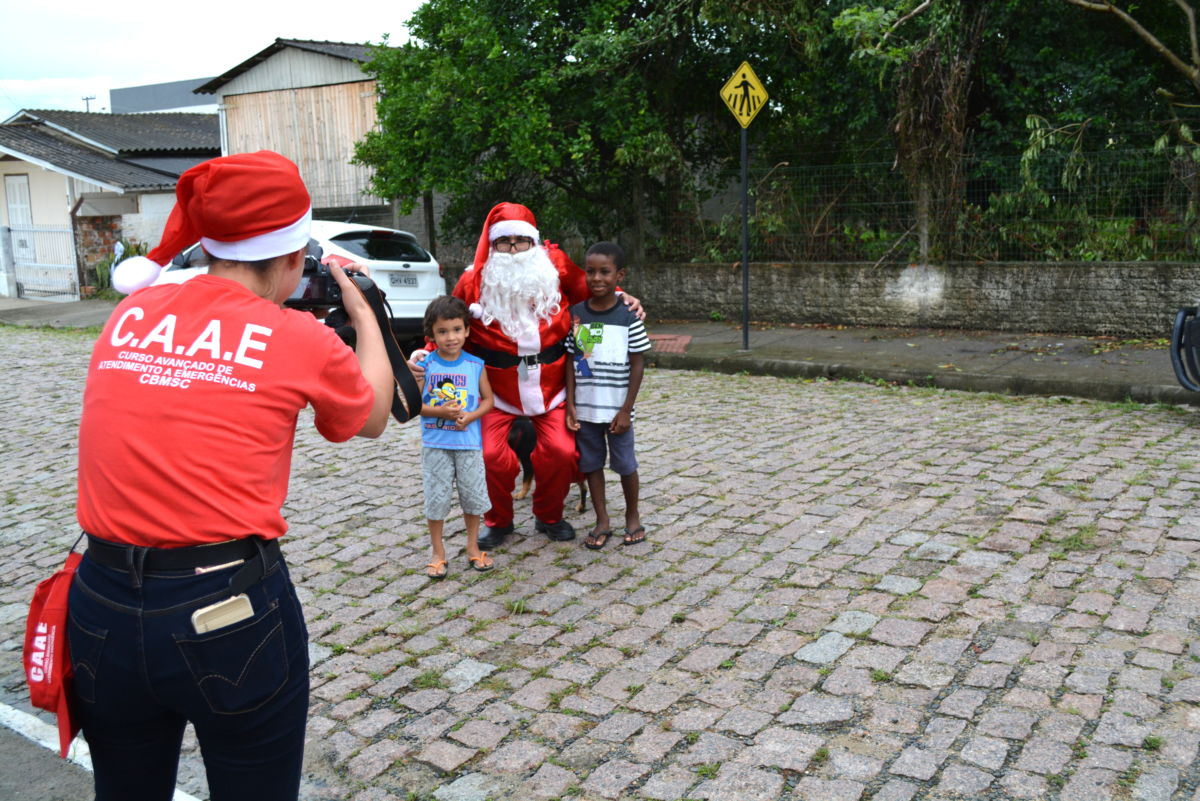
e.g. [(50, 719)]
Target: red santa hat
[(246, 207), (505, 219)]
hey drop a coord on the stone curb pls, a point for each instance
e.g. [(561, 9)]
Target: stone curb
[(963, 381)]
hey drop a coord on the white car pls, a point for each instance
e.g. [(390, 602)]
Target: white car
[(407, 274)]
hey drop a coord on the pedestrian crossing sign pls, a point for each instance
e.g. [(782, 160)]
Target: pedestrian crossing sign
[(744, 94)]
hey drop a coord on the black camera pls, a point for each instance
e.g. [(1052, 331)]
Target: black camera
[(318, 289)]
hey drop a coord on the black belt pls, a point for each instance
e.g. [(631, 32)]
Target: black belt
[(502, 360), (122, 557)]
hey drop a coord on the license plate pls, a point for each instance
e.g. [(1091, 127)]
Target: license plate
[(402, 279)]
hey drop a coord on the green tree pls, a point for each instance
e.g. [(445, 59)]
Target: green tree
[(599, 115)]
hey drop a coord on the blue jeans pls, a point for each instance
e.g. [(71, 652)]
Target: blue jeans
[(142, 672)]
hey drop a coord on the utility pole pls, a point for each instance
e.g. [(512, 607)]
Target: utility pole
[(87, 106)]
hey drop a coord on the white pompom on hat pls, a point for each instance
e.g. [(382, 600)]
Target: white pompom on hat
[(245, 207)]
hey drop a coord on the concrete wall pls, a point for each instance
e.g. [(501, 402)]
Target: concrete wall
[(147, 225), (1128, 299)]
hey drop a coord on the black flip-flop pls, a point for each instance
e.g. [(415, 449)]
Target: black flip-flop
[(635, 536), (597, 539)]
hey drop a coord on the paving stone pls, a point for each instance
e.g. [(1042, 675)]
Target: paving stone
[(743, 783), (1006, 650), (853, 623), (376, 758), (1040, 755), (826, 649), (445, 756), (785, 749), (619, 727), (710, 749), (895, 717), (549, 782), (744, 721), (480, 734), (941, 733), (918, 763), (1156, 784), (517, 757), (900, 585), (943, 650), (899, 633), (668, 785), (470, 787), (992, 675), (653, 744), (466, 674), (964, 780), (557, 728), (810, 788), (817, 709), (896, 790), (987, 752), (706, 658), (1116, 728), (1089, 784), (1012, 724), (610, 779), (655, 698), (925, 674), (849, 765), (1016, 784), (962, 703)]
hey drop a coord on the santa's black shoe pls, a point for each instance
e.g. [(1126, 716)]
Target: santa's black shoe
[(560, 531), (494, 536)]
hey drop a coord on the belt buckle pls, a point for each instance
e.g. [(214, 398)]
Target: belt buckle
[(530, 361)]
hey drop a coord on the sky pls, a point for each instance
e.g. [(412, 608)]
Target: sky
[(56, 54)]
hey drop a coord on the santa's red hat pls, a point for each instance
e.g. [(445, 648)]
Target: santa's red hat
[(505, 219), (246, 207)]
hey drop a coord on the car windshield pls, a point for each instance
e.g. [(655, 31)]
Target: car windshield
[(381, 246)]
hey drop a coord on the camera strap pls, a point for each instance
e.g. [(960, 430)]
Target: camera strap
[(406, 399)]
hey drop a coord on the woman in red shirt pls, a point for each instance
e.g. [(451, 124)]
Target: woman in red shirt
[(182, 609)]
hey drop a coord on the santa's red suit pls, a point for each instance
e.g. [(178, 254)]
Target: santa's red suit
[(527, 376)]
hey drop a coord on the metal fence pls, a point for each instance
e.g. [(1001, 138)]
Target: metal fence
[(44, 262), (1107, 206)]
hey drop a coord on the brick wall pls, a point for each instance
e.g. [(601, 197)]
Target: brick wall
[(1126, 299), (94, 240)]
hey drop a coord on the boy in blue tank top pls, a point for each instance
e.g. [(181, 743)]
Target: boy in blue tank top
[(455, 396)]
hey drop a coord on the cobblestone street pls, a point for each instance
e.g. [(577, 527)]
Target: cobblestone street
[(849, 591)]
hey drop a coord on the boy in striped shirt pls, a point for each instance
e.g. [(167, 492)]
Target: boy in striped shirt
[(606, 346)]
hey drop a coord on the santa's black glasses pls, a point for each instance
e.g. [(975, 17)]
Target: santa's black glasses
[(508, 244)]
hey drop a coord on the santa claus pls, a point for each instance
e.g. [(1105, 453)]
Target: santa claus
[(520, 291)]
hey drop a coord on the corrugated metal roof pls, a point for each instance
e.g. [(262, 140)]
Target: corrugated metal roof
[(37, 142), (127, 134), (343, 50)]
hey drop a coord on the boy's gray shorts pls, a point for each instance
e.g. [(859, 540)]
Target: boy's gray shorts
[(442, 468), (595, 442)]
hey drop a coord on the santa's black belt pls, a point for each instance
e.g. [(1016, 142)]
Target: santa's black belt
[(502, 360), (121, 557)]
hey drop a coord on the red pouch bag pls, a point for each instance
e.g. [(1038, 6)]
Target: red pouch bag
[(47, 659)]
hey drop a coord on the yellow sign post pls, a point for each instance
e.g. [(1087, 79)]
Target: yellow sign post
[(744, 94)]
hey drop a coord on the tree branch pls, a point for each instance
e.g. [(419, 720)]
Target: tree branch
[(1190, 13), (1190, 71), (905, 19)]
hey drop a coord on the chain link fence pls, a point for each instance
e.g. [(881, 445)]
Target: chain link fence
[(1113, 205)]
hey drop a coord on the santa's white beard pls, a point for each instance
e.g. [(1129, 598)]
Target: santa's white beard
[(519, 291)]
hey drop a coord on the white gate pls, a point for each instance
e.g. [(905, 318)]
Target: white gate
[(44, 261)]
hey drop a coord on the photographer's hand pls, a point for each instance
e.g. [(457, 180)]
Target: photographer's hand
[(372, 356), (416, 365)]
